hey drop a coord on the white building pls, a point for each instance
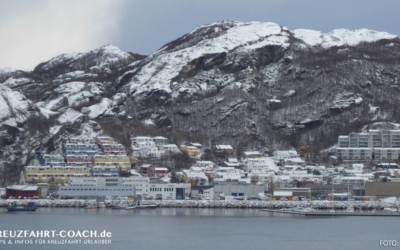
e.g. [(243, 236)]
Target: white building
[(378, 145), (170, 191), (204, 164), (140, 183), (138, 139), (354, 153), (171, 148)]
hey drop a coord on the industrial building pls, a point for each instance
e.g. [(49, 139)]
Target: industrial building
[(96, 191), (169, 191), (382, 189)]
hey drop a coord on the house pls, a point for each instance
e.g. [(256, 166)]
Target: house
[(232, 162), (146, 170), (224, 149), (160, 173), (170, 148), (191, 150), (147, 149), (138, 139), (252, 154), (197, 145), (159, 140), (259, 176), (204, 164), (195, 176)]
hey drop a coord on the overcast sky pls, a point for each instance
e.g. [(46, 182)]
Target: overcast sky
[(33, 31)]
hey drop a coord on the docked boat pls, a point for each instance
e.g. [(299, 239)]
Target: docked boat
[(29, 208), (101, 204), (130, 207), (120, 207), (144, 205)]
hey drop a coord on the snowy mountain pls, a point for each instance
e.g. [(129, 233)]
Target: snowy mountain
[(253, 85)]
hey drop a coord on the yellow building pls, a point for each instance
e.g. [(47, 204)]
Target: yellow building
[(122, 162), (104, 140), (190, 150), (46, 174)]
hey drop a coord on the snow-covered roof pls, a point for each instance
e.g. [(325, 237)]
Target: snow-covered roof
[(232, 160), (204, 162), (283, 193), (252, 153), (23, 187), (224, 147), (160, 137)]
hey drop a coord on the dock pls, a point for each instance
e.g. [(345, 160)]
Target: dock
[(336, 214)]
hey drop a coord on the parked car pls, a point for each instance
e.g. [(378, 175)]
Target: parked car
[(170, 198), (148, 197), (284, 199)]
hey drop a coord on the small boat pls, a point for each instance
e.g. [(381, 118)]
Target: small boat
[(101, 204), (120, 207), (130, 207), (142, 205), (29, 208)]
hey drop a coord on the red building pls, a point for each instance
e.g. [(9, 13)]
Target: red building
[(22, 190), (147, 170)]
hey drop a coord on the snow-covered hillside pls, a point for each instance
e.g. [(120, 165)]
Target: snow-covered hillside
[(257, 85)]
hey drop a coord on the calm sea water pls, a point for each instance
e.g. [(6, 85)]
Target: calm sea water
[(185, 228)]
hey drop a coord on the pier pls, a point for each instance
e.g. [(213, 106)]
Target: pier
[(336, 214)]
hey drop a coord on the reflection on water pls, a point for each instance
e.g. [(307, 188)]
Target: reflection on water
[(203, 228)]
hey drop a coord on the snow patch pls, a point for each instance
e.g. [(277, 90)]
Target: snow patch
[(69, 116), (340, 37)]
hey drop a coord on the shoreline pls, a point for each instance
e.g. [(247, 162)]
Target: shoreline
[(357, 205)]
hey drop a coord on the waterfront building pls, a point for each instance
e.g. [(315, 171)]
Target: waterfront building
[(140, 183), (382, 189), (22, 191), (96, 191), (169, 191)]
